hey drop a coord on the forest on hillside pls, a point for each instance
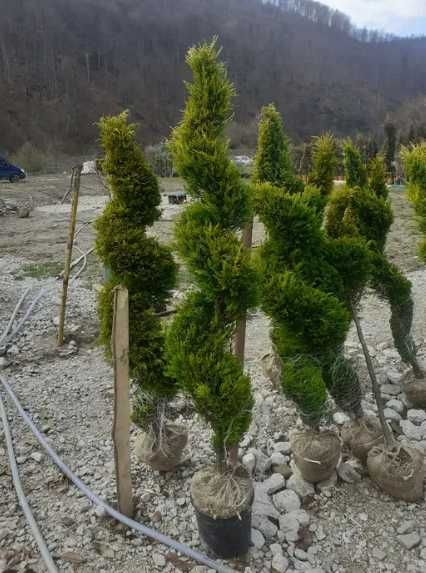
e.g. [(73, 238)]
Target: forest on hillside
[(63, 64)]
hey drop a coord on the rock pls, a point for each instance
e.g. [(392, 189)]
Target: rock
[(284, 469), (275, 549), (159, 560), (416, 416), (300, 486), (290, 526), (340, 418), (320, 534), (3, 362), (347, 473), (279, 563), (394, 377), (249, 462), (410, 540), (391, 389), (282, 447), (396, 405), (273, 484), (36, 456), (277, 459), (257, 538), (406, 527), (411, 431), (262, 504), (301, 555), (328, 483), (378, 554), (265, 526), (286, 501), (302, 517), (391, 414)]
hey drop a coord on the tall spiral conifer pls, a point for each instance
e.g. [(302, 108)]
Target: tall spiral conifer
[(199, 341)]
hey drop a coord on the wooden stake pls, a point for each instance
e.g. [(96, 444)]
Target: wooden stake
[(121, 421), (68, 251)]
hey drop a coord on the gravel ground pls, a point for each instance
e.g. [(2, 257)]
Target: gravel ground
[(340, 527)]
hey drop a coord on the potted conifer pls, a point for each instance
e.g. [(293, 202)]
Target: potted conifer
[(147, 270), (200, 336), (306, 278), (364, 212)]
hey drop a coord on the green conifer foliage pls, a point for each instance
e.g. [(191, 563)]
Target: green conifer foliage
[(355, 170), (324, 164), (364, 212), (199, 337), (272, 162), (414, 159), (306, 281), (135, 261)]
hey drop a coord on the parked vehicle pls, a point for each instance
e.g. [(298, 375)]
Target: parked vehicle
[(11, 172)]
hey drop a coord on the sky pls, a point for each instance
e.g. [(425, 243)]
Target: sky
[(401, 17)]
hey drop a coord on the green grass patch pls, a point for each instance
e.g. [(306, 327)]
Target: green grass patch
[(39, 270)]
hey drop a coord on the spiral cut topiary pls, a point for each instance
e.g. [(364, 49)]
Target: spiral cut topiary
[(137, 262), (364, 211), (200, 336), (414, 159), (307, 279)]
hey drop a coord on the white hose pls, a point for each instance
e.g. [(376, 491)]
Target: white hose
[(146, 531), (15, 312), (51, 567)]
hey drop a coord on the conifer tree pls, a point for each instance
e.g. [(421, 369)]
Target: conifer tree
[(414, 159), (324, 164), (200, 336), (138, 262), (355, 170)]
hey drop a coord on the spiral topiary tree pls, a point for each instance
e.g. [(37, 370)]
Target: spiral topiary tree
[(138, 262), (324, 164), (200, 336)]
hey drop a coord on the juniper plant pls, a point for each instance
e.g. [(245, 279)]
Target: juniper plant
[(207, 240), (137, 262), (414, 159)]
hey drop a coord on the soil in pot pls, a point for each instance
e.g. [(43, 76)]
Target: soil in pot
[(222, 504), (316, 454), (398, 471), (163, 456), (361, 435)]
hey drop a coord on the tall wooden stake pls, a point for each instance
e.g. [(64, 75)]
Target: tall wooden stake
[(121, 421), (76, 174)]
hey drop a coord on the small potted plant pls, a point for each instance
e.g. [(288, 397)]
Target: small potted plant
[(199, 339), (147, 270)]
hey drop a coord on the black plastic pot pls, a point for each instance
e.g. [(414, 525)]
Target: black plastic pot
[(227, 538)]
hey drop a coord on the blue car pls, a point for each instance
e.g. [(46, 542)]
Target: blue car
[(10, 172)]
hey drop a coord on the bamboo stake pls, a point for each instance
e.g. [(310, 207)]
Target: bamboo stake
[(121, 421), (389, 441), (68, 251)]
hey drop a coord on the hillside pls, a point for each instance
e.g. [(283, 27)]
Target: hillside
[(63, 64)]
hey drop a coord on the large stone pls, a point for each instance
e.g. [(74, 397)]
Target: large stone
[(257, 538), (282, 448), (262, 504), (273, 484), (284, 469), (416, 416), (265, 526), (278, 459), (249, 462), (396, 405), (301, 515), (392, 415), (406, 527), (410, 540), (280, 563), (286, 501), (340, 418), (411, 431), (290, 526), (391, 389), (300, 486), (394, 376)]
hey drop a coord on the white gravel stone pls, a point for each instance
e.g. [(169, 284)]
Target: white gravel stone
[(249, 462), (406, 527), (273, 484), (392, 415), (348, 473), (262, 504), (37, 456), (410, 540), (416, 416), (278, 459), (257, 538), (412, 431), (159, 560), (396, 405), (286, 501), (394, 377), (300, 486), (391, 389), (282, 447), (265, 526), (340, 418), (290, 526), (280, 563)]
